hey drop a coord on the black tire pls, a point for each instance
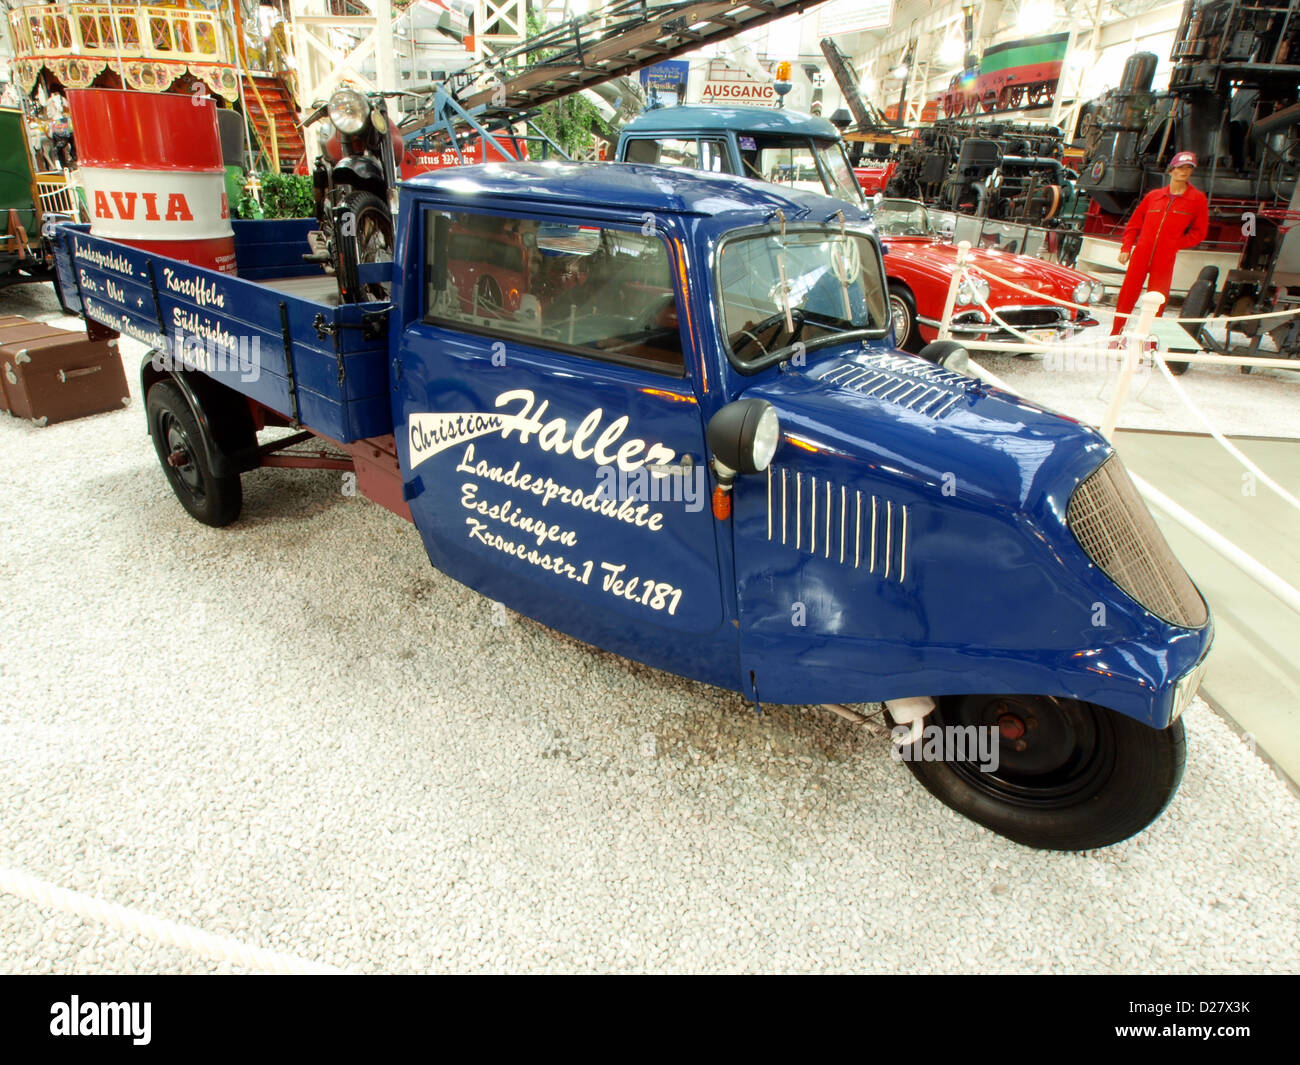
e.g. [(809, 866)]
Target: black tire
[(1198, 304), (213, 500), (373, 233), (902, 312), (1085, 776)]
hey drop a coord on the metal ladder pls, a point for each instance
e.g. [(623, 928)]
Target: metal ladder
[(620, 38)]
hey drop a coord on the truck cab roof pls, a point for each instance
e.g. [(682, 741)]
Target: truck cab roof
[(704, 118), (627, 186)]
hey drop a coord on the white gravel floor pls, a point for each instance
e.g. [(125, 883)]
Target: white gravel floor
[(296, 733)]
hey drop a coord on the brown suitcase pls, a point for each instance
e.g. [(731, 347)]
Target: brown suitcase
[(51, 375)]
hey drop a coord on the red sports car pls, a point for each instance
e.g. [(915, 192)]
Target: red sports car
[(919, 264)]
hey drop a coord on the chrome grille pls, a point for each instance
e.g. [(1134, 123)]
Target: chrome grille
[(1027, 317), (1113, 525), (902, 381), (831, 521)]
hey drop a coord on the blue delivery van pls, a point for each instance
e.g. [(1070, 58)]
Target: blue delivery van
[(660, 411)]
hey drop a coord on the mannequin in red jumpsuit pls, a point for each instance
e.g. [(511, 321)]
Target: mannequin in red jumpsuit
[(1165, 222)]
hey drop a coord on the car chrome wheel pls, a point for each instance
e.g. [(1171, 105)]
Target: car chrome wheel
[(902, 320)]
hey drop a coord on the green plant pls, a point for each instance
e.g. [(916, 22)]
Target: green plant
[(572, 121), (283, 196)]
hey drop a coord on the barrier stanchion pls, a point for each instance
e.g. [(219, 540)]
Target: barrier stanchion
[(1133, 344), (963, 250)]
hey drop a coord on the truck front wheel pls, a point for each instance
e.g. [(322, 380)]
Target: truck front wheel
[(183, 449), (1058, 774)]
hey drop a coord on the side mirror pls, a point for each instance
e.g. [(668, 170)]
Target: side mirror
[(743, 437)]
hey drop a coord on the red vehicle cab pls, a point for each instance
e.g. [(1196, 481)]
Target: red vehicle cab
[(874, 177), (491, 268), (919, 267)]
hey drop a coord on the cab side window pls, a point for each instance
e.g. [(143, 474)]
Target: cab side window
[(705, 153), (597, 291)]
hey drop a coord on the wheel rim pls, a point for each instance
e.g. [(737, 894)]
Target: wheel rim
[(902, 320), (1053, 753), (180, 455)]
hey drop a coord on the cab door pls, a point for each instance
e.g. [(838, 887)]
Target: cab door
[(550, 432)]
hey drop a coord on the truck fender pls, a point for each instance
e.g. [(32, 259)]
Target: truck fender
[(229, 436)]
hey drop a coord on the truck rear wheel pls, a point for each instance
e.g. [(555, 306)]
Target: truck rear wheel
[(182, 449), (1069, 775)]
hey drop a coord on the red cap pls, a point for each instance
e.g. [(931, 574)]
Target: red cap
[(1182, 159)]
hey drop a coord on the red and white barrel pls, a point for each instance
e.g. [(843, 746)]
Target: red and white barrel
[(152, 169)]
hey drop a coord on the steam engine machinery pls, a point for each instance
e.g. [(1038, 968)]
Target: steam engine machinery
[(1232, 100), (1000, 170)]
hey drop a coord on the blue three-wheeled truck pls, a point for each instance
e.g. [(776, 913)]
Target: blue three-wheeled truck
[(661, 411)]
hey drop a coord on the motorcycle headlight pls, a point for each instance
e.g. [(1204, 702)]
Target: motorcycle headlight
[(973, 290), (1083, 292), (348, 110)]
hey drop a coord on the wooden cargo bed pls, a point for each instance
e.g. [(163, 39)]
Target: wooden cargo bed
[(274, 333)]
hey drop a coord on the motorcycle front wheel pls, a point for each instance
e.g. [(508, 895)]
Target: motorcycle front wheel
[(372, 231)]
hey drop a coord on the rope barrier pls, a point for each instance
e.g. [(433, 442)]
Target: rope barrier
[(1248, 564), (1228, 445), (1179, 391), (170, 933), (1089, 309)]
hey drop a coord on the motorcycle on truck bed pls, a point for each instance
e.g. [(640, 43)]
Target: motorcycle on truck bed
[(679, 430)]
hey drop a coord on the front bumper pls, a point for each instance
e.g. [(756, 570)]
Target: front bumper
[(1046, 324), (1189, 684)]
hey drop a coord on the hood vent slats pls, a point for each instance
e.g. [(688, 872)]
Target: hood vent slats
[(900, 380)]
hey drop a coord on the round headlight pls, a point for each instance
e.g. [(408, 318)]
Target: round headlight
[(1098, 291), (1083, 292), (349, 110), (767, 434), (743, 436), (973, 290)]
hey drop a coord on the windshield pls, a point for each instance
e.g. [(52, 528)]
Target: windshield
[(794, 161), (807, 289), (902, 218), (844, 183)]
